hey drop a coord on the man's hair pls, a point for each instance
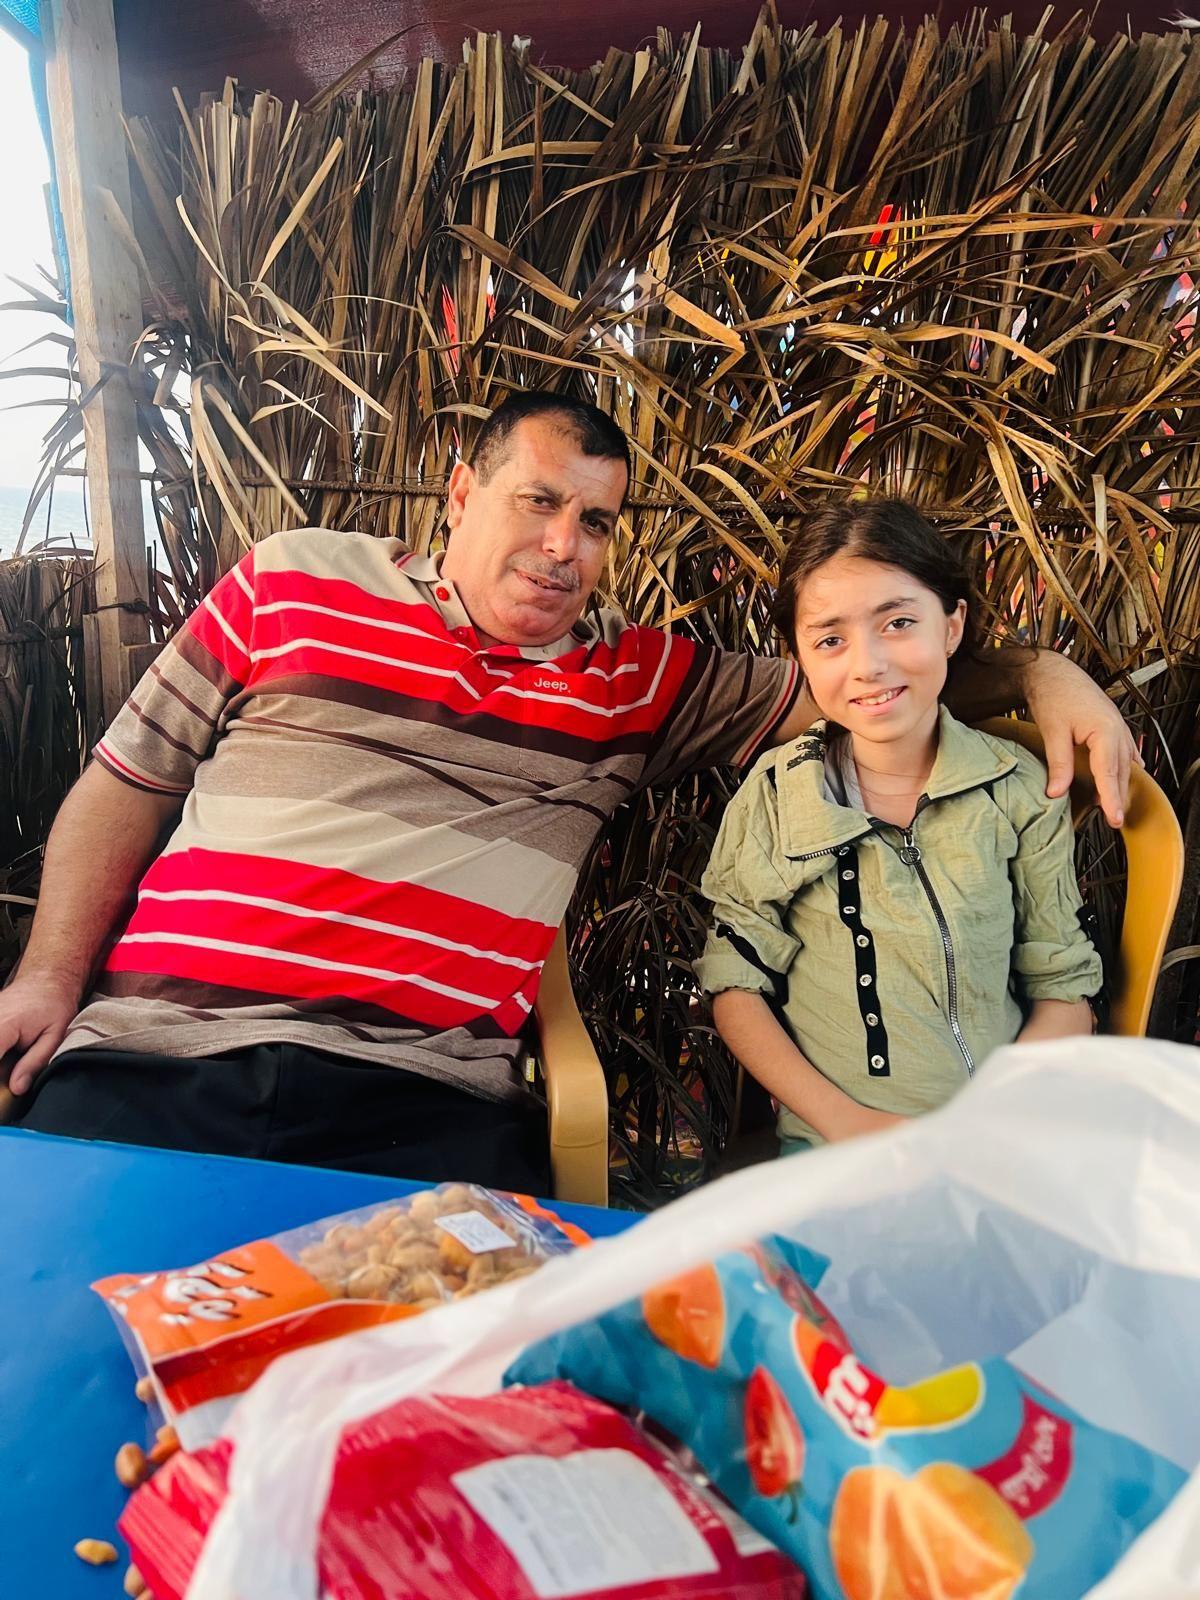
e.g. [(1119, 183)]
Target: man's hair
[(593, 430)]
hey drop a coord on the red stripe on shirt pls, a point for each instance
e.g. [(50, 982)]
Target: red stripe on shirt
[(290, 584), (332, 889), (293, 933), (557, 695), (107, 757), (230, 599), (289, 980)]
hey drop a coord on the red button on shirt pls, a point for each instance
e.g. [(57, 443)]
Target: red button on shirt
[(442, 592)]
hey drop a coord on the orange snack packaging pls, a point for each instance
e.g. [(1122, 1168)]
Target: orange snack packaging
[(204, 1333)]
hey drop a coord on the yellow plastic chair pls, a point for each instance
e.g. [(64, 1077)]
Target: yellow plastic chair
[(1154, 856), (576, 1092)]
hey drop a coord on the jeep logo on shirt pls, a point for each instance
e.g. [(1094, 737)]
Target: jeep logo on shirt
[(555, 685)]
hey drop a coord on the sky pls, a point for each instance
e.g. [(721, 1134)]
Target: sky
[(24, 246)]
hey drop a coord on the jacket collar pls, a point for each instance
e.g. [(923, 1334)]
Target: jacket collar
[(966, 759), (811, 823)]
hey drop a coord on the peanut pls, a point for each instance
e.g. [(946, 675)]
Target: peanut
[(144, 1389), (134, 1584), (423, 1286), (373, 1282), (131, 1465), (415, 1257), (455, 1252), (423, 1208), (165, 1445), (96, 1552)]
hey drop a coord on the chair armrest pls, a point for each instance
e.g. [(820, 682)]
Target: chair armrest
[(8, 1100), (576, 1092)]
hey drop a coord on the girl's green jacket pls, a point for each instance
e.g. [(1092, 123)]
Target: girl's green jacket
[(898, 959)]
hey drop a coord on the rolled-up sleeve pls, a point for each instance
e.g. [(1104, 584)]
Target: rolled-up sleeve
[(1053, 959), (749, 944)]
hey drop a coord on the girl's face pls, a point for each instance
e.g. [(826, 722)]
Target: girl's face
[(874, 644)]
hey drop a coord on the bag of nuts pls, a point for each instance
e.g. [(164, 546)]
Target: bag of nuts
[(202, 1334)]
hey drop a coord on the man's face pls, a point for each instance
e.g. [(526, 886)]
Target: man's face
[(527, 547)]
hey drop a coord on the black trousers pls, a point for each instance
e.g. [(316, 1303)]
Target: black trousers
[(281, 1102)]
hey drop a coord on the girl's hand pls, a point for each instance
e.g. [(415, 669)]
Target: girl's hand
[(1057, 1019), (856, 1120)]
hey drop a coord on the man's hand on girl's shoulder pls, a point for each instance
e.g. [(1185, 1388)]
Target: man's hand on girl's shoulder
[(1071, 710)]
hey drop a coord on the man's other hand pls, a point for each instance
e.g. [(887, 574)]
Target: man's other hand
[(1071, 710), (35, 1014)]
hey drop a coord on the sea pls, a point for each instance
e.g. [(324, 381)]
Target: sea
[(61, 520)]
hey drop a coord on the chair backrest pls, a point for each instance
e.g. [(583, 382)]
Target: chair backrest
[(1154, 858)]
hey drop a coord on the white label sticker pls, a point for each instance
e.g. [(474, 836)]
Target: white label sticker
[(747, 1541), (477, 1232), (595, 1520)]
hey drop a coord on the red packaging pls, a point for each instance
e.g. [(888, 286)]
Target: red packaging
[(532, 1494)]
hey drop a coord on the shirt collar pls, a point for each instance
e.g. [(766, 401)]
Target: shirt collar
[(444, 597)]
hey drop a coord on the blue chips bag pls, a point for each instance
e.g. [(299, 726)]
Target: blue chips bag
[(974, 1484)]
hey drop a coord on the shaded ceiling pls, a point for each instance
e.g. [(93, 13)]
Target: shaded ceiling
[(297, 47)]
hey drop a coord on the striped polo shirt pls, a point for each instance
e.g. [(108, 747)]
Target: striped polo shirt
[(384, 820)]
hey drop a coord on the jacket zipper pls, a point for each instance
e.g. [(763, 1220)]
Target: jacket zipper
[(830, 849), (911, 856)]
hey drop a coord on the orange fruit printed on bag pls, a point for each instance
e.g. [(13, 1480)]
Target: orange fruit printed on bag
[(687, 1314), (943, 1534)]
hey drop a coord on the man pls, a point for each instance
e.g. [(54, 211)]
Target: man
[(383, 774)]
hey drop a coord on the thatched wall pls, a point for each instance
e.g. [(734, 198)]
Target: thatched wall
[(42, 602), (955, 265)]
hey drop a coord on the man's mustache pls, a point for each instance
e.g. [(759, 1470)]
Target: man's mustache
[(560, 573)]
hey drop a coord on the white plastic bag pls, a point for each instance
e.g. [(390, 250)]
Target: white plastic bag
[(1050, 1214)]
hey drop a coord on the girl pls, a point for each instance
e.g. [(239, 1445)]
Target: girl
[(893, 894)]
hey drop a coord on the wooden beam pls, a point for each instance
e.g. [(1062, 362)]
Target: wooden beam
[(83, 88)]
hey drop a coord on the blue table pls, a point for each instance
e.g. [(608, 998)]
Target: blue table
[(73, 1212)]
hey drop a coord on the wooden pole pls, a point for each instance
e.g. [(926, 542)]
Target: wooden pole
[(84, 91)]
